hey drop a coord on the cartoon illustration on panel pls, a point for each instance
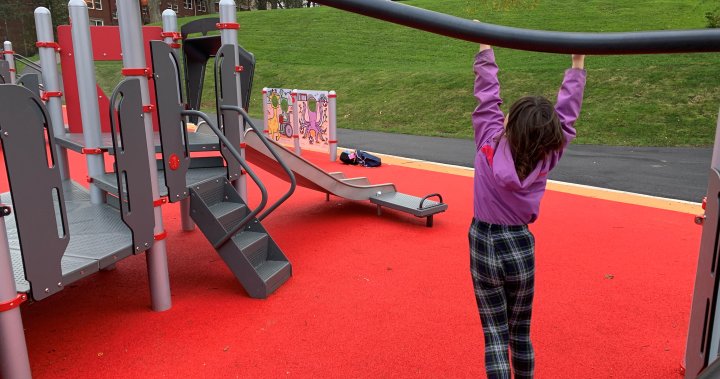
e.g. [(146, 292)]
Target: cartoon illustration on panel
[(273, 115), (314, 118)]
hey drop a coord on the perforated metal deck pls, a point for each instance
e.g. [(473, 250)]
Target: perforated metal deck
[(98, 237), (198, 142), (108, 181)]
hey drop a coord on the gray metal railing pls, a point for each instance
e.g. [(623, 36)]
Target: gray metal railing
[(233, 151), (261, 135)]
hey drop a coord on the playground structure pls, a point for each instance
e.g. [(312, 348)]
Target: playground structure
[(220, 203), (57, 231), (302, 119)]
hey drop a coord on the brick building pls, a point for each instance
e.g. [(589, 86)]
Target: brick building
[(104, 12)]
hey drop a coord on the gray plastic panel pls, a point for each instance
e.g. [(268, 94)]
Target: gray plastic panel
[(705, 293), (31, 82), (227, 95), (409, 204), (24, 122), (4, 72), (131, 163), (197, 142), (246, 60), (173, 135), (203, 25), (196, 52)]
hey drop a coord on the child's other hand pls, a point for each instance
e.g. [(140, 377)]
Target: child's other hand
[(578, 61), (483, 46)]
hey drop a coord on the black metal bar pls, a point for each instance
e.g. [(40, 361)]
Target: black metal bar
[(646, 42), (429, 196), (28, 62), (236, 155), (265, 142)]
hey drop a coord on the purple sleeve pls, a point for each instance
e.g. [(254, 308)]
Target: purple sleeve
[(569, 102), (487, 119)]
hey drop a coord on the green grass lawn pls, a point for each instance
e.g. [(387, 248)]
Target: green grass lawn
[(395, 79)]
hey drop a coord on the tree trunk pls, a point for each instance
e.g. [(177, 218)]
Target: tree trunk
[(154, 10)]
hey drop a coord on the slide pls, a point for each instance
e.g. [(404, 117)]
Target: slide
[(309, 175)]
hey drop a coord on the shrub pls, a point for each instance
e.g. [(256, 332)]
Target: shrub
[(713, 19)]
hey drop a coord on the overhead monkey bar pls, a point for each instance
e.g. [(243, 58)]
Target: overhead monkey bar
[(646, 42)]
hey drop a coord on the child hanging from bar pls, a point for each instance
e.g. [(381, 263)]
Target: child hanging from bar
[(514, 155)]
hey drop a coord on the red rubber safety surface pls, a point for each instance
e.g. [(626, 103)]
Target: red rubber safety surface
[(382, 296)]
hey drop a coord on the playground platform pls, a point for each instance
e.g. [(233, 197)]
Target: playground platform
[(385, 296)]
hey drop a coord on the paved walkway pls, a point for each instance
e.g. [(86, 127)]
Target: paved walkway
[(676, 173)]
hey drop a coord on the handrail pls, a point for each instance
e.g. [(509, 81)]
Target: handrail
[(28, 62), (647, 42), (236, 155), (265, 142)]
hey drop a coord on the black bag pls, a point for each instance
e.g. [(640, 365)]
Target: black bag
[(348, 157), (366, 159)]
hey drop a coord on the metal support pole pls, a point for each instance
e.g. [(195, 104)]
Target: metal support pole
[(87, 92), (265, 109), (229, 36), (131, 40), (332, 133), (14, 361), (48, 62), (10, 59), (169, 20), (295, 121)]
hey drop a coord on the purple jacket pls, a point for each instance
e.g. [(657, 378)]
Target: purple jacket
[(500, 196)]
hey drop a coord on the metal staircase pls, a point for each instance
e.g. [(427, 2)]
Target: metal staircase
[(251, 254), (216, 207)]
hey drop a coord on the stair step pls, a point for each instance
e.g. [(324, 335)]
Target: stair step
[(254, 246), (228, 213), (274, 274), (211, 191)]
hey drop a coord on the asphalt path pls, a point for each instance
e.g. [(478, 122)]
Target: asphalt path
[(676, 173)]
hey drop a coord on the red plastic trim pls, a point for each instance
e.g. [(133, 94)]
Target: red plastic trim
[(243, 145), (91, 151), (53, 45), (160, 236), (14, 303), (296, 136), (227, 25), (175, 45), (160, 202), (137, 72), (174, 35), (332, 95), (45, 96), (148, 108), (266, 131), (8, 52), (239, 68), (12, 70), (332, 141)]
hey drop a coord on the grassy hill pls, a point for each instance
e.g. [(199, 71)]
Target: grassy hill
[(395, 79)]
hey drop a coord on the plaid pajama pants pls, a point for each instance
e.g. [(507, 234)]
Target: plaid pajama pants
[(502, 263)]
